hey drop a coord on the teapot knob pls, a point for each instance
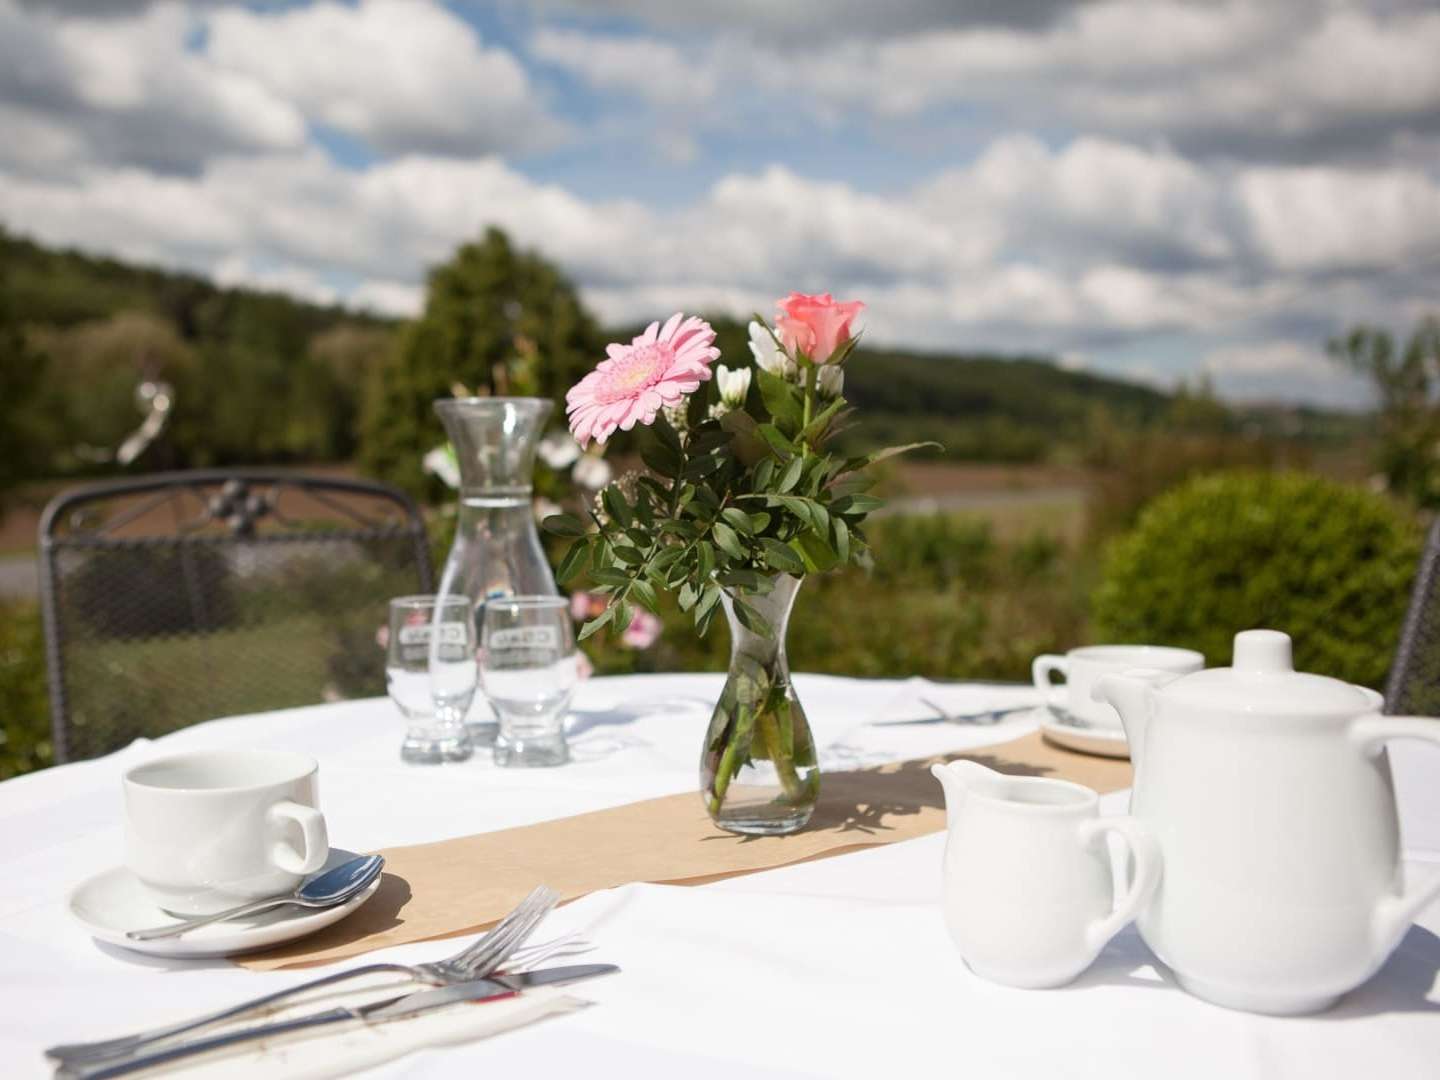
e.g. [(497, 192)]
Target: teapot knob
[(1262, 651)]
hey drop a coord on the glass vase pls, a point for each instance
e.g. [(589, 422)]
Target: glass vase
[(758, 773), (496, 551)]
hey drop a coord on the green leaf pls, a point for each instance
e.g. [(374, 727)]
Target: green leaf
[(842, 538), (782, 446), (606, 575), (784, 401), (816, 551), (764, 473), (817, 425), (573, 562), (791, 476), (705, 560), (698, 468), (564, 525), (703, 619), (616, 506), (780, 557), (682, 529), (892, 451), (661, 460), (759, 522), (753, 580), (751, 619), (666, 435), (856, 504), (644, 593), (629, 555), (708, 599), (596, 623), (623, 616), (737, 519), (711, 435), (687, 596), (727, 541)]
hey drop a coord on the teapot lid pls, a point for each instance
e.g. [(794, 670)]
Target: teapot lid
[(1263, 679)]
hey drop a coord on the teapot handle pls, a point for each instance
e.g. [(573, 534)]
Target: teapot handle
[(1146, 857), (1370, 734)]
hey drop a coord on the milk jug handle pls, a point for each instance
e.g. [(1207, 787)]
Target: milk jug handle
[(1370, 734), (1145, 853)]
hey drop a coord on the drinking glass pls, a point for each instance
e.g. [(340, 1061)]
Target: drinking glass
[(529, 668), (430, 675)]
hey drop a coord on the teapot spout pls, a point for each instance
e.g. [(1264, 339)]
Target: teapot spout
[(959, 778), (1132, 695)]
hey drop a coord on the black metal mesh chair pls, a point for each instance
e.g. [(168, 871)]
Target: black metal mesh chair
[(179, 597), (1413, 687)]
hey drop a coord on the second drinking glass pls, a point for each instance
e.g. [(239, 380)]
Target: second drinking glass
[(528, 668)]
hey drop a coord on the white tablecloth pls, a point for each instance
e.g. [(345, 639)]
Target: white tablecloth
[(839, 967)]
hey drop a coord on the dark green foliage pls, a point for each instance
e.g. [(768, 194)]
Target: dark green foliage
[(21, 381), (25, 717), (1328, 564), (496, 321), (257, 375), (106, 590)]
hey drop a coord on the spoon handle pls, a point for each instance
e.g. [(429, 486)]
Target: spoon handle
[(176, 929)]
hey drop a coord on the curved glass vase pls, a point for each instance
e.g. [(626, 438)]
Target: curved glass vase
[(496, 551), (758, 773)]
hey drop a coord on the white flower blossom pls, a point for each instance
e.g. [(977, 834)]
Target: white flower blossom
[(733, 385), (830, 381), (592, 472), (769, 357), (558, 450), (545, 507), (443, 463)]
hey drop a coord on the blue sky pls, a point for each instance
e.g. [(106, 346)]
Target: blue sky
[(1162, 190)]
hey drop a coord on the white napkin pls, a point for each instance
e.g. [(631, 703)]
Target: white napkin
[(345, 1049)]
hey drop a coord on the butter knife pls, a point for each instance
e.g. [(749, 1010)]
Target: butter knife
[(493, 988)]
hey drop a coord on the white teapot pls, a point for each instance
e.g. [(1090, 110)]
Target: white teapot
[(1269, 793)]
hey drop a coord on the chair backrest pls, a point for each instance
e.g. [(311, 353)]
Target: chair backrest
[(178, 597), (1413, 687)]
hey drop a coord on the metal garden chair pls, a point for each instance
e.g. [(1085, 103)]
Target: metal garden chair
[(178, 597), (1413, 687)]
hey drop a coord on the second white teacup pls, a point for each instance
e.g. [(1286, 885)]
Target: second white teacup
[(210, 830), (1084, 666)]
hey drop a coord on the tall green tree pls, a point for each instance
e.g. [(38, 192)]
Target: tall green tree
[(497, 321), (1407, 389)]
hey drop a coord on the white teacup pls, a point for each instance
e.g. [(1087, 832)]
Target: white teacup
[(1028, 893), (1083, 667), (210, 830)]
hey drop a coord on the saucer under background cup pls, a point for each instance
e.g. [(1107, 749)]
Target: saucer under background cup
[(114, 902), (1057, 725)]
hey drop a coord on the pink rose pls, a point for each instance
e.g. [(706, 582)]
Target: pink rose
[(815, 325)]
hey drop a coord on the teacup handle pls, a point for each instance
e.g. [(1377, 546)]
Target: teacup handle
[(1370, 733), (1041, 670), (1145, 856), (312, 829)]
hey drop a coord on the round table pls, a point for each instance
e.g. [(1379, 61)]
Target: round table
[(838, 967)]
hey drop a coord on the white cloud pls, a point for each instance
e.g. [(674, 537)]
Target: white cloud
[(654, 70), (404, 75), (127, 90)]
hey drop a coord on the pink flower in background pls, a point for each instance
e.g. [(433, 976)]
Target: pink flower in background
[(585, 605), (657, 369), (815, 325), (643, 631)]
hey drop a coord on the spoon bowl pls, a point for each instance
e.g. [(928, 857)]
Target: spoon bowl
[(329, 888)]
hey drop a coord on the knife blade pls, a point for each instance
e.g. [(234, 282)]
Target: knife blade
[(496, 986), (484, 989)]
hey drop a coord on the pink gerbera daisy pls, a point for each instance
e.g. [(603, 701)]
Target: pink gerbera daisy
[(657, 369)]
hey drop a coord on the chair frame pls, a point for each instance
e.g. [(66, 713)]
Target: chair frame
[(241, 526), (1422, 593)]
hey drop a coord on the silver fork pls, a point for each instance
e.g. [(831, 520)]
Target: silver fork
[(475, 961)]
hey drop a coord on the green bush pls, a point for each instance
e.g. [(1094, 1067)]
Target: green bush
[(1330, 565), (25, 719)]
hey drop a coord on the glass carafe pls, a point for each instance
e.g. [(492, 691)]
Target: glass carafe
[(497, 549)]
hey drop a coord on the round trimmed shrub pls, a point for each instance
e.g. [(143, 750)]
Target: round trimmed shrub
[(1328, 564)]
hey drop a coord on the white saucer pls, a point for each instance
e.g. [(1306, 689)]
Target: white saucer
[(1103, 742), (112, 902)]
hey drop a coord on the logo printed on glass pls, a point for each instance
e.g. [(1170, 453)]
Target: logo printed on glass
[(524, 637), (415, 640)]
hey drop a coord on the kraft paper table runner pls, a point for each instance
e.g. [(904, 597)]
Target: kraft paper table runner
[(465, 884)]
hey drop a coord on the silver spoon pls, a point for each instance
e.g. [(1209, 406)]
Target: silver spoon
[(334, 886)]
